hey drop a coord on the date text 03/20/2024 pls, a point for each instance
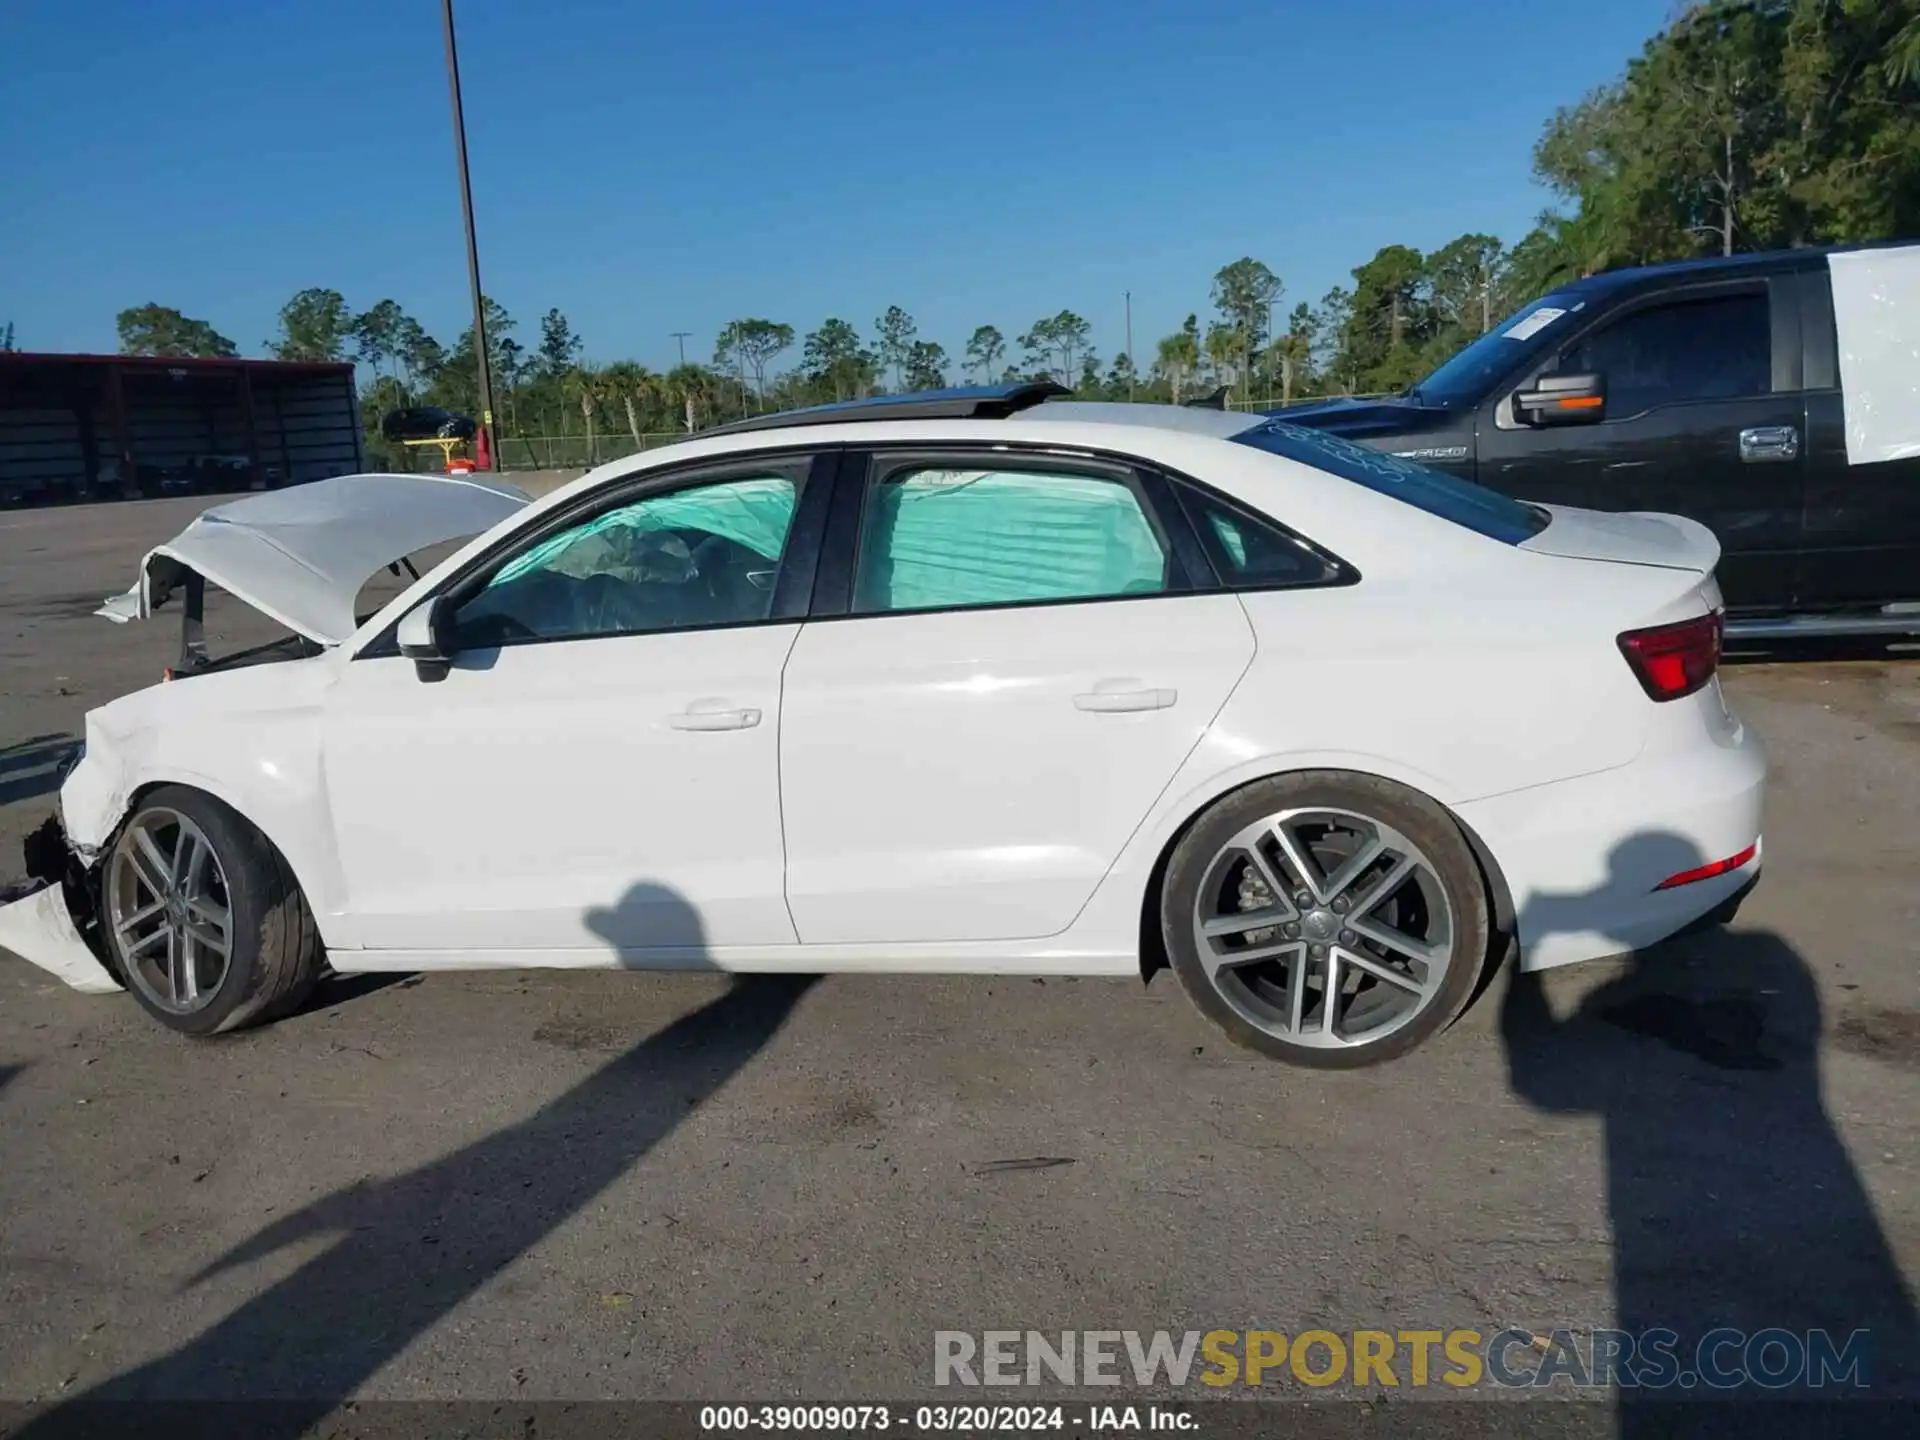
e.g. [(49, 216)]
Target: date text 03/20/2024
[(938, 1419)]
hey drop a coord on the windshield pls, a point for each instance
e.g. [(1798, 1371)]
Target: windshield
[(1464, 379), (1485, 512)]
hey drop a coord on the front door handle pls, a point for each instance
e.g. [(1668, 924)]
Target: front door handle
[(699, 717), (1764, 443), (1103, 700)]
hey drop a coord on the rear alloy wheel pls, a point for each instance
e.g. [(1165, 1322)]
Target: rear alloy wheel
[(1327, 919), (203, 917)]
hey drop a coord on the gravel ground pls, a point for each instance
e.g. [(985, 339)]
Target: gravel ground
[(524, 1186)]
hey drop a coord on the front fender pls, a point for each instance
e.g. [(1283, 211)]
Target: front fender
[(285, 822), (261, 760)]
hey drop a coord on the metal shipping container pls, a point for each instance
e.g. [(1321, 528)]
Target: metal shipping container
[(96, 427)]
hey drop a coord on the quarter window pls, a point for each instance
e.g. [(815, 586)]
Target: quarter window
[(1716, 349), (938, 537), (706, 555), (1249, 553)]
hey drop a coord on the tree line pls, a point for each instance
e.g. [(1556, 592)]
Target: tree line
[(1745, 124)]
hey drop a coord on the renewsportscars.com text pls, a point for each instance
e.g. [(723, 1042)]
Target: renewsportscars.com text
[(1723, 1359)]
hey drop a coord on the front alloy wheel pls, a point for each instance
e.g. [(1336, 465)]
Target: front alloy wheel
[(203, 918), (169, 911)]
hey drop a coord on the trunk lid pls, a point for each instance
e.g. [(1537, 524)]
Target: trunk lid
[(1668, 542)]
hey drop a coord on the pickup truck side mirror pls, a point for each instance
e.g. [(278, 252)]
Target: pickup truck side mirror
[(1562, 400), (425, 637)]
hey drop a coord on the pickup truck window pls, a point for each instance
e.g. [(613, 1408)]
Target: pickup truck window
[(1715, 349), (1483, 511), (1515, 341)]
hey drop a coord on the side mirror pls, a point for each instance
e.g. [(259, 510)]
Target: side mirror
[(424, 637), (1563, 400)]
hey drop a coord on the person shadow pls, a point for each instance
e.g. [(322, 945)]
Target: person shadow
[(404, 1252), (1732, 1199)]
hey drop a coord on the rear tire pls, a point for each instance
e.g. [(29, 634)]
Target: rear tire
[(203, 917), (1326, 873)]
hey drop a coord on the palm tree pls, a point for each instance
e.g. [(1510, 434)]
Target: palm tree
[(637, 387), (692, 386), (583, 382), (1223, 350), (1179, 357)]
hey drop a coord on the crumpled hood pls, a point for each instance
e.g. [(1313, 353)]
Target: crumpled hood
[(301, 555)]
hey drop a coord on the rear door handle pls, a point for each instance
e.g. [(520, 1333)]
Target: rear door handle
[(699, 717), (1104, 701), (1765, 443)]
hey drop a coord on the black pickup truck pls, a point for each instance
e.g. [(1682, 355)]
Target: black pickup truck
[(1713, 389)]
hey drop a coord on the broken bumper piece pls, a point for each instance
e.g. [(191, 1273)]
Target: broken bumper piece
[(40, 930), (37, 922)]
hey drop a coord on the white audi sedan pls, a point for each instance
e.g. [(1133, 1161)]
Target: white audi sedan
[(978, 681)]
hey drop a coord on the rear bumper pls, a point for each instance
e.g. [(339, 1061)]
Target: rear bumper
[(1583, 859)]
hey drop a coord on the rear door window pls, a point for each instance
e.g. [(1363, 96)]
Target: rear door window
[(937, 538)]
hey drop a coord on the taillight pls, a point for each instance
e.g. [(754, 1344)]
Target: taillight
[(1675, 660)]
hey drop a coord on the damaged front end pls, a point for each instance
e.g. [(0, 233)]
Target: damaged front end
[(53, 920)]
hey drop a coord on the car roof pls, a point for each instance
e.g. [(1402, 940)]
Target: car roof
[(1007, 400), (1186, 419)]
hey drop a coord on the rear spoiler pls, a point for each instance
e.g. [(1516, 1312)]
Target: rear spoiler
[(1216, 401)]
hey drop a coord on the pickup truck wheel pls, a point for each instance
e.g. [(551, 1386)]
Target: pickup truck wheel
[(204, 918), (1327, 919)]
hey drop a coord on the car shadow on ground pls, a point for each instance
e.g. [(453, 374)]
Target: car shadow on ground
[(336, 990), (1732, 1199), (404, 1252)]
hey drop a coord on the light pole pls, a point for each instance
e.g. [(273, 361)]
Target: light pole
[(681, 336), (1270, 340), (473, 250), (1132, 364)]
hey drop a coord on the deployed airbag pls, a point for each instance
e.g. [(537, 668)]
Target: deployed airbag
[(753, 513), (942, 538)]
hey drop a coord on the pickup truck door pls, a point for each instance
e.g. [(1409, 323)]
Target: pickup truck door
[(1704, 418)]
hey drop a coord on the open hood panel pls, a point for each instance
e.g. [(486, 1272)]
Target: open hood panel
[(300, 555)]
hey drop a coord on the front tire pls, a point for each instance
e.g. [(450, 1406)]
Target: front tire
[(203, 917), (1327, 919)]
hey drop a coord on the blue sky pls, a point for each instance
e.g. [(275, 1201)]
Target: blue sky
[(651, 168)]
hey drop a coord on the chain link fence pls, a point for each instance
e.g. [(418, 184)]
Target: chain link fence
[(575, 452), (1274, 402), (578, 452)]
